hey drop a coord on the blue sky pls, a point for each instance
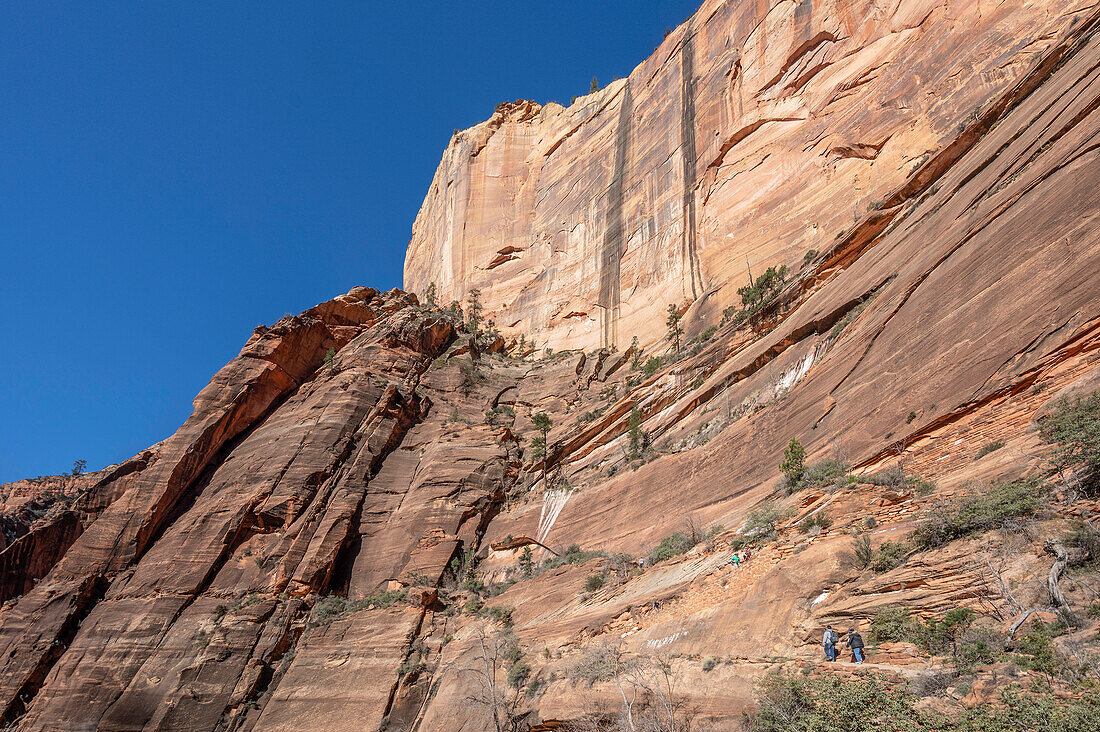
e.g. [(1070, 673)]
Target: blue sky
[(173, 174)]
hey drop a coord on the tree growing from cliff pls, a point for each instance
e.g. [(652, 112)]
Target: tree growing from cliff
[(646, 686), (430, 295), (79, 466), (543, 424), (1075, 428), (637, 437), (473, 311), (527, 563), (764, 287), (595, 86), (672, 326), (794, 461), (635, 354), (498, 655)]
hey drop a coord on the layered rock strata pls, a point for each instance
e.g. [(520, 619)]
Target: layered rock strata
[(319, 544), (757, 132)]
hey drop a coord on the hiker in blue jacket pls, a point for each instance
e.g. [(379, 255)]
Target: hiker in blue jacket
[(830, 640)]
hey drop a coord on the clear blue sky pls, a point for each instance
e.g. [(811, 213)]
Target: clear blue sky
[(173, 174)]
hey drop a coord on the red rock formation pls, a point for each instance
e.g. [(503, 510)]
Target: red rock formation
[(755, 133), (312, 547)]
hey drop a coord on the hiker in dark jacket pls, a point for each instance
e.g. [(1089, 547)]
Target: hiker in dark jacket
[(829, 640), (855, 642)]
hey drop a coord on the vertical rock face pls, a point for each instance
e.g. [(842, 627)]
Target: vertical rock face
[(755, 133), (357, 529)]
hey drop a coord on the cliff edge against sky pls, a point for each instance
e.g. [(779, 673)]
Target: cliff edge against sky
[(382, 515), (755, 133)]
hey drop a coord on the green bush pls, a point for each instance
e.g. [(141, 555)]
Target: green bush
[(979, 513), (594, 582), (764, 287), (709, 663), (819, 521), (518, 671), (938, 636), (861, 553), (762, 522), (977, 644), (651, 366), (889, 555), (671, 546), (381, 599), (955, 634), (573, 555), (988, 448), (789, 702), (637, 436), (1035, 650), (893, 477), (1075, 428), (1084, 537), (794, 462), (824, 473), (891, 625), (896, 478), (328, 609), (502, 615)]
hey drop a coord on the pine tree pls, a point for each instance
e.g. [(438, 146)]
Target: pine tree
[(595, 86), (673, 326), (543, 424), (473, 311), (526, 562), (635, 354), (430, 294), (637, 437)]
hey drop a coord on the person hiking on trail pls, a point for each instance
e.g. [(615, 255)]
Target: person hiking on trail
[(748, 554), (855, 642), (830, 640), (735, 562)]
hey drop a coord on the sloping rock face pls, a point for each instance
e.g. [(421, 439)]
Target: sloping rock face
[(323, 542), (756, 133)]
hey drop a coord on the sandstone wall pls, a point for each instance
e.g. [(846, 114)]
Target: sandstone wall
[(233, 577), (756, 132)]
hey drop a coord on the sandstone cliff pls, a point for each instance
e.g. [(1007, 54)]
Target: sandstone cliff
[(354, 524), (755, 133)]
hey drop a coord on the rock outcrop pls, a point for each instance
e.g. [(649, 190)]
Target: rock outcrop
[(757, 132), (361, 517)]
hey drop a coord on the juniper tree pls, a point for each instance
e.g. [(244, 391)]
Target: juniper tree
[(794, 461)]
